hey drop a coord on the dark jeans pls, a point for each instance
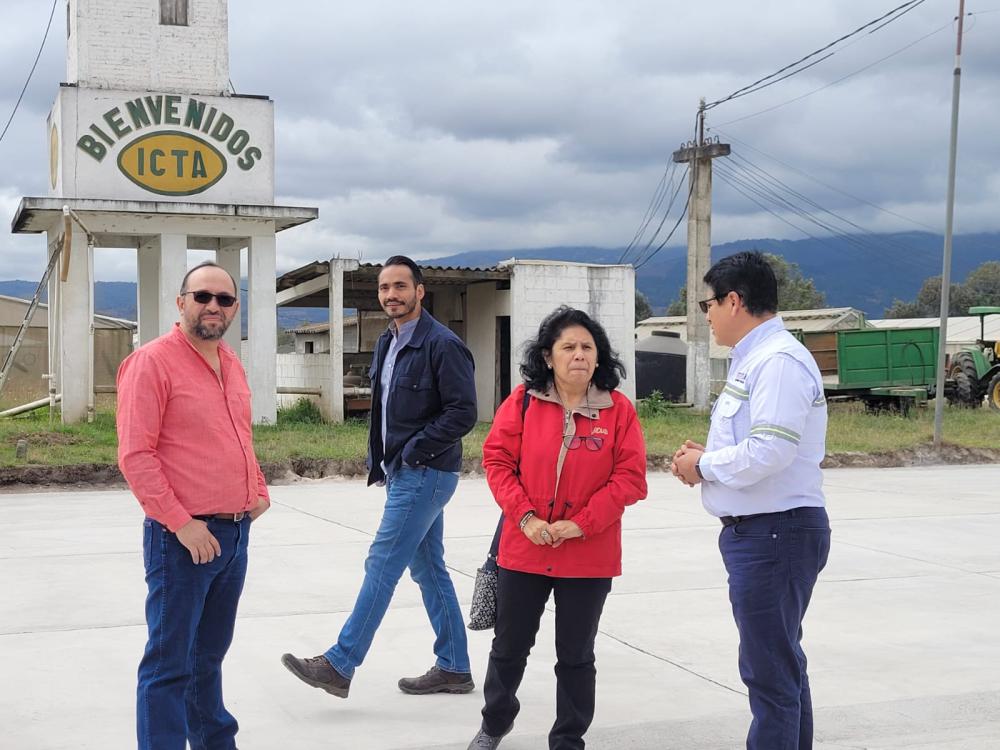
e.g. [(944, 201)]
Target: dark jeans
[(773, 561), (190, 615), (521, 600)]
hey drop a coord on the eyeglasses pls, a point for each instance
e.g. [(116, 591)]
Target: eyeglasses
[(573, 442), (703, 303), (203, 298)]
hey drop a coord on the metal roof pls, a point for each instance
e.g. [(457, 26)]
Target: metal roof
[(360, 284), (961, 329)]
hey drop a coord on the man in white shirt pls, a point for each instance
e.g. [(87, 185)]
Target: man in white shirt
[(760, 475)]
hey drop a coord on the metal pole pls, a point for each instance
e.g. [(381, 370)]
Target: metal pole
[(948, 226)]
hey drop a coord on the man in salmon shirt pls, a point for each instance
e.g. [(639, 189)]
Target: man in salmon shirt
[(186, 449)]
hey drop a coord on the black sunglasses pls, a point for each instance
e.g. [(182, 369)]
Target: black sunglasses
[(703, 303), (573, 441), (203, 298)]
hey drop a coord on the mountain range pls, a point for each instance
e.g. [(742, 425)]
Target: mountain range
[(867, 272)]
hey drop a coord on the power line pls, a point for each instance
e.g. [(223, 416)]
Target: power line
[(31, 72), (662, 188), (663, 220), (768, 80), (666, 239), (769, 178), (839, 80), (825, 184)]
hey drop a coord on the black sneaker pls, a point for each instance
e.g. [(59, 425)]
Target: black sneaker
[(319, 673), (436, 680)]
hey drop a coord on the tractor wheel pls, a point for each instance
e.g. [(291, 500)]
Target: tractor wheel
[(993, 393), (962, 396), (963, 364)]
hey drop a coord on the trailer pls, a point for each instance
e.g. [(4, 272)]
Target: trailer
[(889, 369)]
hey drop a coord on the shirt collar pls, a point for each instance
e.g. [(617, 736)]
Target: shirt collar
[(596, 400), (756, 335), (405, 330)]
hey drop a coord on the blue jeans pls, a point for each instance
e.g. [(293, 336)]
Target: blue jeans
[(190, 616), (773, 562), (411, 534)]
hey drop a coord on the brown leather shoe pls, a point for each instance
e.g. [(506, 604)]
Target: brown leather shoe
[(436, 680), (319, 673)]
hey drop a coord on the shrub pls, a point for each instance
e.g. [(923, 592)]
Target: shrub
[(654, 405), (303, 411)]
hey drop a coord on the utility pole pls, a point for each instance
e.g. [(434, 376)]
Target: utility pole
[(948, 226), (699, 155)]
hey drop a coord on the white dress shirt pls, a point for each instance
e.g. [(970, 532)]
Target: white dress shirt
[(768, 430)]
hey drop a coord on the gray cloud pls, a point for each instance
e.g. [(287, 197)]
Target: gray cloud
[(438, 127)]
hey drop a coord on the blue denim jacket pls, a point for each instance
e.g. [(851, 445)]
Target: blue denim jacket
[(432, 405)]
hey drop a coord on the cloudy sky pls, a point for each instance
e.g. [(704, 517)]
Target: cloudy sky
[(438, 127)]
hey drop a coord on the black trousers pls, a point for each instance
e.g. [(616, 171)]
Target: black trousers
[(521, 599)]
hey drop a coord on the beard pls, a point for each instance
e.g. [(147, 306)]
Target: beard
[(402, 310), (202, 331)]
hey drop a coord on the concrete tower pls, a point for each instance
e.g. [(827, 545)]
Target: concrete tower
[(152, 153)]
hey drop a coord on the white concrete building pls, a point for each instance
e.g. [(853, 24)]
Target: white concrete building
[(151, 153), (494, 310)]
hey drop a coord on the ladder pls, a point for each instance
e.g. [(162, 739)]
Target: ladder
[(8, 362)]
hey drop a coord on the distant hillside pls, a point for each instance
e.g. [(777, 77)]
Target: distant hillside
[(862, 272), (118, 299)]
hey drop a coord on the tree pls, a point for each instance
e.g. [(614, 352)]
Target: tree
[(643, 309), (981, 287), (795, 292)]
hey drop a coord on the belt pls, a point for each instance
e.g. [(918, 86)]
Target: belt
[(733, 520), (234, 517)]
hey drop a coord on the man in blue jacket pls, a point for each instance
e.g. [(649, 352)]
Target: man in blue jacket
[(423, 403)]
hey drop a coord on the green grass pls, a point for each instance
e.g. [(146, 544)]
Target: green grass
[(851, 429)]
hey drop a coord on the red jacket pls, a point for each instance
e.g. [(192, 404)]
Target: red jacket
[(594, 486)]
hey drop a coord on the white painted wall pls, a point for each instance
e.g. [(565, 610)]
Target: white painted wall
[(606, 293), (120, 44), (93, 127)]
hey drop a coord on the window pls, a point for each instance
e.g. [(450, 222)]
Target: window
[(309, 347), (174, 12)]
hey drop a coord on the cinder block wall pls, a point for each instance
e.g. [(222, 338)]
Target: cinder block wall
[(606, 293)]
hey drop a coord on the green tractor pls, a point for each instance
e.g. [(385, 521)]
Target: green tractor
[(976, 370)]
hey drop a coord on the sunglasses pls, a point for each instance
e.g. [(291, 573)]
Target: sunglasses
[(203, 298), (703, 303), (574, 441)]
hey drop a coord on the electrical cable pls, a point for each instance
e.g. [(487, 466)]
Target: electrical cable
[(680, 218), (839, 80), (824, 184), (762, 83), (769, 178), (663, 220), (662, 188), (32, 71)]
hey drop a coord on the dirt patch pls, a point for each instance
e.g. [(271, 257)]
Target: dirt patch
[(91, 476), (45, 438)]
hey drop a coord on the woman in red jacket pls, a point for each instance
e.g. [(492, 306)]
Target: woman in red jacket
[(562, 464)]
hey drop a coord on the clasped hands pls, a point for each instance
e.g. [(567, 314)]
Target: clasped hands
[(552, 534), (683, 464)]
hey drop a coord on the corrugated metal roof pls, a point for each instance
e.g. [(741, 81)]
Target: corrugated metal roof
[(961, 329)]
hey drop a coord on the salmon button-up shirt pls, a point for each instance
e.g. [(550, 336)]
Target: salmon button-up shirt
[(185, 445)]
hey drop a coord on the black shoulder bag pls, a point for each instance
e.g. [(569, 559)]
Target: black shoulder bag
[(483, 611)]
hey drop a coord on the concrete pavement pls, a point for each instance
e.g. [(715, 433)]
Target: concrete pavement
[(902, 634)]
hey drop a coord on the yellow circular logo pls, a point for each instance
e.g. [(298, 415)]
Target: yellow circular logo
[(170, 162)]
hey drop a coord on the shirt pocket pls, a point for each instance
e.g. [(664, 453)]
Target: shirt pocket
[(723, 418)]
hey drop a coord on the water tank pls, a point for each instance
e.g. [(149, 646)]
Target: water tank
[(661, 365)]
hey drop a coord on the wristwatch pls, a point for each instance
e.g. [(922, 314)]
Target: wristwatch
[(524, 519), (697, 468)]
